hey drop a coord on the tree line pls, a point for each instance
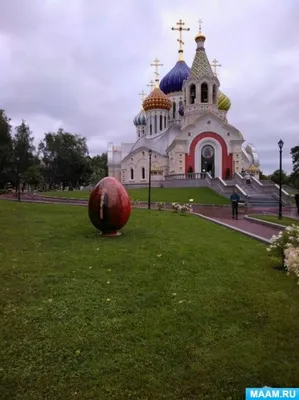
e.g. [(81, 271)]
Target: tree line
[(291, 179), (60, 160)]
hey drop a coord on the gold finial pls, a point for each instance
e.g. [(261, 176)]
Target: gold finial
[(215, 65), (151, 85), (200, 21), (142, 94), (180, 28), (157, 64)]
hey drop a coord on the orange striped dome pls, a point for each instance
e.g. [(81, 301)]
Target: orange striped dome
[(157, 100)]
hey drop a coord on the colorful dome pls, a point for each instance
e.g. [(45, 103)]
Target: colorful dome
[(140, 119), (200, 37), (157, 100), (173, 81), (223, 102)]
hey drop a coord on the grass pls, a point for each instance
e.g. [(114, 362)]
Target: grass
[(274, 218), (195, 310), (180, 195)]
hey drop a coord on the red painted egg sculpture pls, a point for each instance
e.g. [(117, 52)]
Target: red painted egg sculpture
[(109, 206)]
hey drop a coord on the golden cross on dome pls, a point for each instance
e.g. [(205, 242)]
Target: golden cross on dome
[(151, 85), (200, 21), (157, 64), (215, 65), (142, 94), (180, 28)]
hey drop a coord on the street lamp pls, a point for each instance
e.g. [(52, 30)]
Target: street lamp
[(280, 145), (149, 178), (18, 179)]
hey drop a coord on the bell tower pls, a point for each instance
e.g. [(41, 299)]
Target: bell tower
[(201, 88)]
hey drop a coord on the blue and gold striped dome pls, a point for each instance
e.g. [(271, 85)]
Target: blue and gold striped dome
[(224, 102), (173, 81), (140, 119)]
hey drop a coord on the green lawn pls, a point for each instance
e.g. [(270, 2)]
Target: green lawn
[(180, 195), (175, 308), (274, 218)]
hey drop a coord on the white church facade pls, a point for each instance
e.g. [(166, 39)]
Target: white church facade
[(184, 123)]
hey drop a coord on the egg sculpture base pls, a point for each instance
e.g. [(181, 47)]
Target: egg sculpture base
[(109, 207)]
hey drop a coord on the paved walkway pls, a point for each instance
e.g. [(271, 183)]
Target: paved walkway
[(220, 215)]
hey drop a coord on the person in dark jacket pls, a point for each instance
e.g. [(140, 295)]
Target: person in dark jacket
[(235, 198), (297, 201)]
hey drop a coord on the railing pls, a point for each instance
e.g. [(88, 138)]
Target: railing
[(200, 175)]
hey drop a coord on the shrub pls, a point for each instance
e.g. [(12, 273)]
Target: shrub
[(280, 244), (292, 260), (176, 207), (160, 206)]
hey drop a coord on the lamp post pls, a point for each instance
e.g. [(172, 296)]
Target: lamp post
[(18, 179), (149, 178), (280, 145)]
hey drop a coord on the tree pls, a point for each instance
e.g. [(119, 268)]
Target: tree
[(64, 157), (23, 148), (5, 149), (275, 177), (262, 177), (33, 176), (99, 167)]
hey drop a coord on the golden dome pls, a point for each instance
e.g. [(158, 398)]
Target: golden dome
[(157, 100), (253, 169), (200, 37)]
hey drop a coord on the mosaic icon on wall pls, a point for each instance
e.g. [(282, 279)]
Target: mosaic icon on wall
[(109, 206)]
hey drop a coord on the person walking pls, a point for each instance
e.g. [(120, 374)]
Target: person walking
[(235, 198)]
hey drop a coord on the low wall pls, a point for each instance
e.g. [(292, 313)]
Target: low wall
[(175, 183)]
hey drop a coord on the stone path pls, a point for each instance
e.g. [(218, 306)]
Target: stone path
[(220, 215)]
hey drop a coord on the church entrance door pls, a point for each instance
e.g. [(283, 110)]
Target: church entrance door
[(208, 159)]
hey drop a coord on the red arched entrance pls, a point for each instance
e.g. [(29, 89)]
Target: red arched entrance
[(227, 160)]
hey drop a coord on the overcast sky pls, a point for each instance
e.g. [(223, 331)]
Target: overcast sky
[(80, 64)]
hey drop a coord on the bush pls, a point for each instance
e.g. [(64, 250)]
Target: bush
[(160, 206), (292, 260), (286, 246)]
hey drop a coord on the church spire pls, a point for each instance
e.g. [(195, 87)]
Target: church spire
[(201, 65), (180, 28), (156, 64)]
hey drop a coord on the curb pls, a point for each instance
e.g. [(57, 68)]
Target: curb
[(252, 235), (265, 223)]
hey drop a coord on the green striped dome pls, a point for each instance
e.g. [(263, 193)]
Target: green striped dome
[(223, 102)]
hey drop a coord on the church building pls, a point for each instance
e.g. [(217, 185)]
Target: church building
[(183, 121)]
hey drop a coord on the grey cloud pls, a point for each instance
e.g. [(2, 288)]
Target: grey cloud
[(80, 65)]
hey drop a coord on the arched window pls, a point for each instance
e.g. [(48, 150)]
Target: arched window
[(164, 121), (138, 134), (214, 94), (173, 110), (132, 174), (156, 124), (142, 173), (204, 93), (161, 122), (192, 94)]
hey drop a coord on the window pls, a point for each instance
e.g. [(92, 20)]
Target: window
[(164, 121), (132, 174), (214, 94), (204, 93), (192, 94), (173, 110), (161, 122), (142, 173), (156, 123), (151, 129)]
